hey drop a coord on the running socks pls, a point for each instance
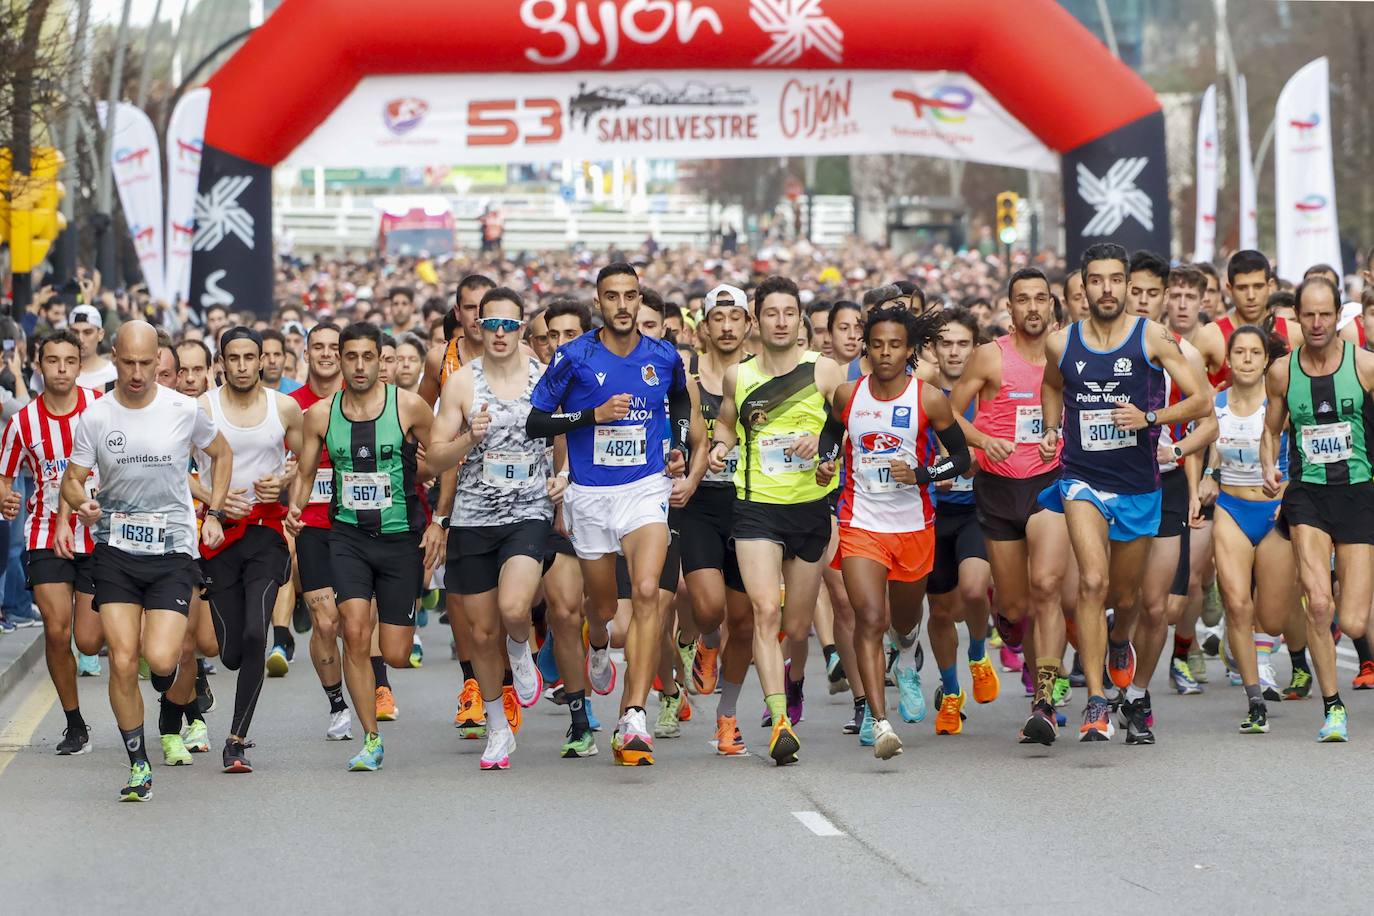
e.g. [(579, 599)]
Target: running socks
[(1362, 649), (977, 649), (1254, 693), (1183, 644), (1134, 693), (379, 672), (496, 714), (1264, 644), (466, 665), (729, 698), (133, 743), (281, 636), (1299, 658), (169, 717), (336, 699), (577, 705), (828, 651), (1046, 670), (777, 706), (74, 719), (1331, 702), (909, 644), (949, 680)]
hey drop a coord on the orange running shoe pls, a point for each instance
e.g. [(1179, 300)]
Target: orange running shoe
[(684, 709), (729, 741), (986, 684), (386, 705), (1365, 679), (783, 746), (514, 714), (1121, 665), (471, 718), (950, 720), (705, 672)]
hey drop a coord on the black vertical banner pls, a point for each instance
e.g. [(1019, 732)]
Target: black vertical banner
[(1116, 189), (231, 255)]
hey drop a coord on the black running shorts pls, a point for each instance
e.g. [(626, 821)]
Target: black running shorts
[(802, 529), (707, 520), (261, 553), (1343, 511), (312, 559), (476, 554), (1005, 504), (389, 567), (45, 567), (958, 537), (1173, 503), (154, 583)]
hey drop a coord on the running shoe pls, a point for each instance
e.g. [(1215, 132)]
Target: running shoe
[(557, 694), (277, 662), (6, 627), (600, 670), (1121, 664), (729, 741), (892, 655), (592, 720), (583, 745), (950, 719), (1182, 678), (144, 672), (204, 695), (684, 709), (1040, 728), (667, 725), (290, 647), (140, 785), (1211, 640), (866, 728), (687, 654), (1076, 676), (1028, 681), (174, 753), (796, 698), (1300, 684), (986, 684), (76, 740), (1256, 720), (87, 665), (515, 714), (233, 757), (1269, 683), (500, 745), (705, 673), (783, 746), (300, 617), (886, 744), (1010, 658), (547, 661), (853, 725), (386, 705), (525, 677), (1363, 681), (431, 599), (196, 737), (1137, 726), (995, 639), (1212, 606), (1335, 728), (368, 759), (632, 745), (1097, 721), (417, 652), (834, 673), (912, 703), (340, 726), (1062, 692), (1197, 664)]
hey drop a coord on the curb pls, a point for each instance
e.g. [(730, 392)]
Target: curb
[(23, 664)]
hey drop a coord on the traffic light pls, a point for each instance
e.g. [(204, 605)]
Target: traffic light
[(4, 194), (1006, 217), (33, 221)]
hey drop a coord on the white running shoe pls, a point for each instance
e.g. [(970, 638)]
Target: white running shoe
[(886, 744), (340, 726), (600, 671), (1269, 683), (500, 745), (524, 673)]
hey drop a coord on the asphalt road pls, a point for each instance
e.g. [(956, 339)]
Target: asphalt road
[(1207, 820)]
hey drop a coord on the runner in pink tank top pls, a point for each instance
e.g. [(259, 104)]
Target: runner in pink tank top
[(1013, 415)]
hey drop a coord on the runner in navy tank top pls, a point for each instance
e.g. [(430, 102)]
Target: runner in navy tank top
[(1103, 379)]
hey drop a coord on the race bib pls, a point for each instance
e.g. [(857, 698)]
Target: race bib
[(620, 446), (1241, 453), (874, 473), (1327, 442), (1097, 432), (323, 490), (1030, 424), (52, 494), (728, 474), (366, 491), (509, 470), (776, 458), (962, 485), (139, 532)]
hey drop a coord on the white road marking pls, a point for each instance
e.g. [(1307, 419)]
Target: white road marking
[(817, 823)]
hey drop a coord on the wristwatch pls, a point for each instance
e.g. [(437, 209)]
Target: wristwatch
[(218, 514), (1209, 472), (441, 521), (1151, 418), (1178, 452)]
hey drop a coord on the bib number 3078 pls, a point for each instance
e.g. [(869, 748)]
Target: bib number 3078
[(1097, 432), (139, 532), (366, 491)]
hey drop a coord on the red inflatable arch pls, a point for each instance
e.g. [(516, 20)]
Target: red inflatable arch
[(1037, 60)]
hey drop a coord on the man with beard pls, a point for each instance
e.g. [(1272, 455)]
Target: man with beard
[(1104, 380)]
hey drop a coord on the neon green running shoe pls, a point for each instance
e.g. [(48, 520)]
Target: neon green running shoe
[(583, 745), (140, 786), (174, 753), (667, 724), (144, 672), (369, 759), (689, 655), (431, 599), (1335, 728), (1062, 693), (196, 737)]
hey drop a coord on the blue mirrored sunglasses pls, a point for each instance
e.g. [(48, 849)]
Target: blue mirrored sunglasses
[(509, 325)]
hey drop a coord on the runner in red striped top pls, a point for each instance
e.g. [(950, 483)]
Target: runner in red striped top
[(39, 438)]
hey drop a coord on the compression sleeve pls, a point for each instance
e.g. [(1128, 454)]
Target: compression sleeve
[(680, 420), (545, 425), (950, 465), (832, 436)]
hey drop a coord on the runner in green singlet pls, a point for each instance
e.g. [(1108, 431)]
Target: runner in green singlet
[(1324, 388)]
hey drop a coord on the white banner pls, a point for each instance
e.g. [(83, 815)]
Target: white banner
[(416, 120), (1205, 228), (185, 140), (137, 169), (1304, 181), (1249, 201)]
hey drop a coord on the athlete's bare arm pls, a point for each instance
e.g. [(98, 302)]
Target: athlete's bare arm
[(1364, 368), (292, 420), (417, 419), (829, 376), (313, 430), (1204, 431), (1163, 348), (1275, 419), (429, 380), (447, 448), (1210, 344), (725, 435), (981, 379), (1052, 395)]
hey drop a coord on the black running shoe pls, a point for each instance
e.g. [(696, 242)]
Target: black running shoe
[(75, 740), (853, 725), (1040, 728), (290, 647), (300, 617), (234, 760), (1136, 714), (204, 695)]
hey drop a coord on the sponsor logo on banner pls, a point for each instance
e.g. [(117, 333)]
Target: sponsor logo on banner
[(1304, 133), (219, 214), (145, 242), (403, 115), (134, 165), (1316, 221), (1115, 196), (935, 113), (817, 110), (1311, 205), (616, 113), (565, 26), (796, 26)]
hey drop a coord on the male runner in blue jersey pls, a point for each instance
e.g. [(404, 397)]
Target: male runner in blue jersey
[(1104, 379), (606, 391)]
